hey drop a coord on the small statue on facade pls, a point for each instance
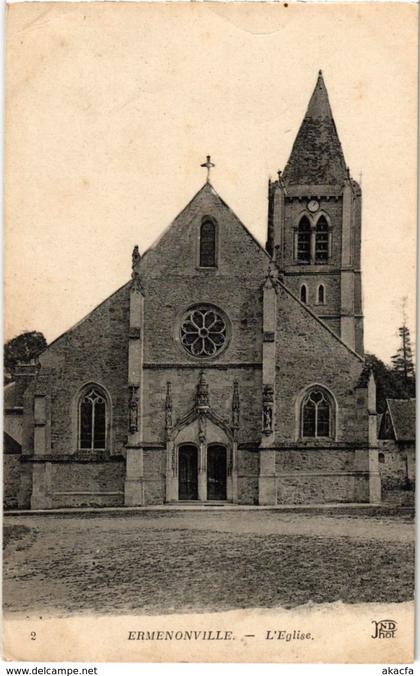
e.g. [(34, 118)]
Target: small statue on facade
[(267, 420), (135, 274), (268, 404), (133, 410)]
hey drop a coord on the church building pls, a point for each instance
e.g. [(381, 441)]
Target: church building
[(222, 371)]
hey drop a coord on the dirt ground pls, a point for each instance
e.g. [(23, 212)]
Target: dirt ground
[(202, 561)]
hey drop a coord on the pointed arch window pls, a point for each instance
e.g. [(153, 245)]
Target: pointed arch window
[(321, 294), (304, 293), (317, 414), (304, 241), (208, 243), (93, 416), (322, 241)]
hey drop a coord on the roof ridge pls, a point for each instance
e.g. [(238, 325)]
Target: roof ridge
[(80, 321)]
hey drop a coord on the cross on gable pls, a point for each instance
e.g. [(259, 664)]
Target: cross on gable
[(208, 165)]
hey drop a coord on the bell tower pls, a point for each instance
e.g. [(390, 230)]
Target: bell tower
[(314, 224)]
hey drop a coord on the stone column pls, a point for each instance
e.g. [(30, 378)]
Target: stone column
[(374, 475), (366, 463), (267, 483), (236, 410), (202, 407), (41, 494), (267, 478), (171, 473), (361, 480), (171, 478), (202, 471), (347, 320), (232, 495), (134, 488), (313, 243), (41, 472), (278, 220)]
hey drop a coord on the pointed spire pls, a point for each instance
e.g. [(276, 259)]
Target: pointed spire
[(317, 157)]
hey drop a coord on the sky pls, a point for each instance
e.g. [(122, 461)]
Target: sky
[(111, 109)]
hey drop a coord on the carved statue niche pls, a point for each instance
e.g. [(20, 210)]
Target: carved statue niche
[(202, 396), (268, 405), (133, 409)]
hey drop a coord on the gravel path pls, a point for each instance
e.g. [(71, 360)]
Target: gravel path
[(160, 562)]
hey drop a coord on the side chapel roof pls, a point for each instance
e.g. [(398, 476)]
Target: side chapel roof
[(403, 418)]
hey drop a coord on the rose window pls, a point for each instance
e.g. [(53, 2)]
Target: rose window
[(203, 331)]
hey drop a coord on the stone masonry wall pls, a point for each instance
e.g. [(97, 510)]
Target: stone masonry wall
[(184, 382), (96, 350), (83, 484), (11, 480), (248, 470), (295, 209), (154, 463), (315, 475), (303, 489), (315, 356)]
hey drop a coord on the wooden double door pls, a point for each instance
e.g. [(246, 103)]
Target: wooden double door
[(188, 466)]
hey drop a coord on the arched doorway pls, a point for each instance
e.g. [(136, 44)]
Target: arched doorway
[(188, 472), (216, 472)]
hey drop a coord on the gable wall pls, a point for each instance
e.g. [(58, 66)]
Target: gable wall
[(173, 283), (306, 354), (96, 350)]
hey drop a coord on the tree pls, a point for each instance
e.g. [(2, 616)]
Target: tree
[(389, 384), (402, 361), (22, 348)]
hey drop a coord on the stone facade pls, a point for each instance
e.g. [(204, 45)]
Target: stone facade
[(277, 408)]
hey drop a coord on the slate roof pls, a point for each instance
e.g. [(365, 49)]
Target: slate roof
[(403, 418), (317, 157)]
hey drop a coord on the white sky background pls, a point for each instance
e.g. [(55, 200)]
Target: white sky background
[(111, 109)]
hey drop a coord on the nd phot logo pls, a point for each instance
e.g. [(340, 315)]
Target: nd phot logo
[(384, 629)]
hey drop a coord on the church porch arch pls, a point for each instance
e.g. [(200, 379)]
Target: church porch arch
[(212, 472)]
